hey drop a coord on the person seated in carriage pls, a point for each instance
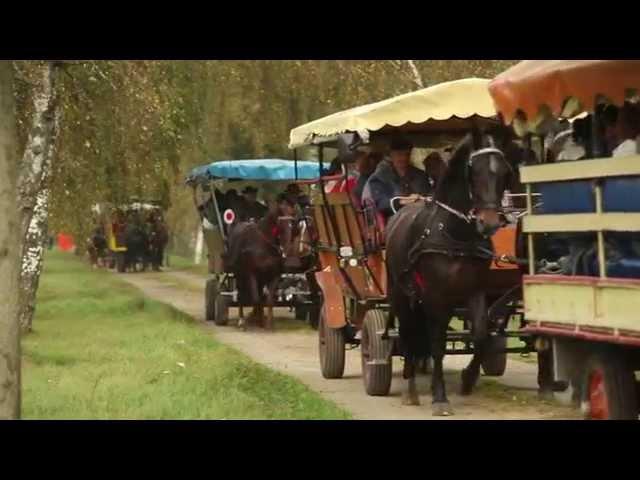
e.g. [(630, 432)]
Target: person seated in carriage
[(252, 209), (365, 164), (621, 129), (395, 177)]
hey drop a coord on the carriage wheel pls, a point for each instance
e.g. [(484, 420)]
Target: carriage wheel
[(609, 388), (120, 262), (221, 309), (210, 294), (332, 349), (495, 360), (376, 376)]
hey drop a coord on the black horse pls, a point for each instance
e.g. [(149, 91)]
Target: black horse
[(438, 257)]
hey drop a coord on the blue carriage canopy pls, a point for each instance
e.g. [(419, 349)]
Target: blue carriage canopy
[(258, 169)]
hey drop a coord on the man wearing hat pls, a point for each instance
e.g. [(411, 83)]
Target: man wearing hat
[(395, 177), (252, 208)]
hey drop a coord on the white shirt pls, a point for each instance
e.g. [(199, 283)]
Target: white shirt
[(626, 148)]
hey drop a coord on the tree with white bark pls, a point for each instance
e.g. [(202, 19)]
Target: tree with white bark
[(9, 252), (33, 191)]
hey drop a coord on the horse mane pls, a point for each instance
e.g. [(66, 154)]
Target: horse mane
[(455, 167)]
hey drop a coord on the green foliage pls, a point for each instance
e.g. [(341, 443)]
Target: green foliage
[(101, 351), (134, 128)]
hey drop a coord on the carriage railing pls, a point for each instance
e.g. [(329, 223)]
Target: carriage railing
[(599, 221)]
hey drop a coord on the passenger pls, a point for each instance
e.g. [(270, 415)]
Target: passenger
[(621, 129), (564, 146), (252, 208), (395, 177), (366, 164), (296, 198)]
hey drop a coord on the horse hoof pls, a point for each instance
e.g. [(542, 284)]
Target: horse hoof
[(410, 400), (441, 409)]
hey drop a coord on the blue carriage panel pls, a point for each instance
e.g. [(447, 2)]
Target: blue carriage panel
[(567, 197), (621, 194)]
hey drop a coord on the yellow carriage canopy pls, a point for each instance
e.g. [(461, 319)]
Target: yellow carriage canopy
[(534, 87), (447, 108)]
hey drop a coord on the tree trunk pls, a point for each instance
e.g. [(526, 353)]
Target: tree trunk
[(416, 74), (33, 195), (32, 253), (9, 252)]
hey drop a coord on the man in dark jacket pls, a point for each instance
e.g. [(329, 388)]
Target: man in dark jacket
[(395, 177), (252, 208)]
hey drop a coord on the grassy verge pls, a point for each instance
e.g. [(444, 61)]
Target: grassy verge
[(184, 264), (102, 351)]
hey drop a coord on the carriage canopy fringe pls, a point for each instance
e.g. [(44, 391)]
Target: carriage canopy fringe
[(444, 107), (533, 86)]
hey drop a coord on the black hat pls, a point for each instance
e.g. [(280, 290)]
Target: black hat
[(401, 143), (283, 197), (250, 189), (293, 188)]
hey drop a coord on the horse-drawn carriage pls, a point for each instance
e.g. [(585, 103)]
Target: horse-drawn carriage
[(233, 237), (131, 236), (587, 224), (353, 272)]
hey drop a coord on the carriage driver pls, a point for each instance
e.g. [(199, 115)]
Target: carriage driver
[(252, 208), (395, 177)]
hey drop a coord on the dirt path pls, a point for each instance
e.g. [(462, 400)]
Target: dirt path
[(295, 352)]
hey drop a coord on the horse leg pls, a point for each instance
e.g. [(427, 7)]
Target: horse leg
[(437, 323), (477, 307), (426, 365), (271, 291), (408, 323), (410, 397), (256, 300)]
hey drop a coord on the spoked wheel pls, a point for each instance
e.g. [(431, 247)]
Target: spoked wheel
[(210, 294), (375, 354), (495, 359), (609, 388), (332, 349)]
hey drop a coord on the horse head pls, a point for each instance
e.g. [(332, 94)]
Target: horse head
[(281, 224), (476, 178)]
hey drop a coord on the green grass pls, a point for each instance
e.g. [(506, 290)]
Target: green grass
[(184, 264), (102, 351)]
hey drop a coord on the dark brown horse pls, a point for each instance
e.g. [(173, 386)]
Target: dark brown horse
[(256, 253), (438, 257)]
